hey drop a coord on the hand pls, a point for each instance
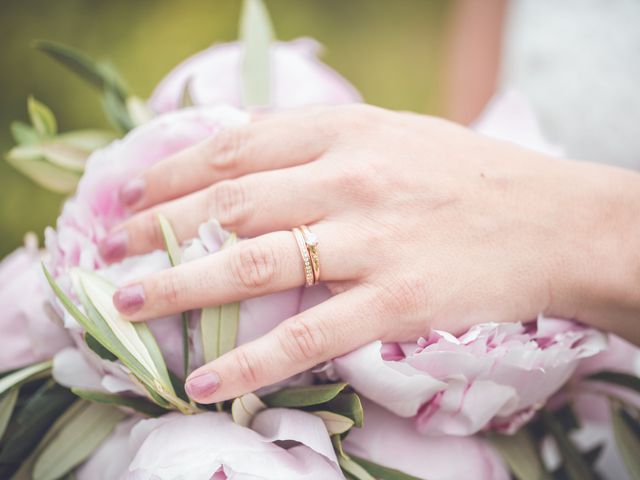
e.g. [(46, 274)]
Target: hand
[(421, 224)]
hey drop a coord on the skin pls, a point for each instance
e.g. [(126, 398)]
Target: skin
[(421, 222)]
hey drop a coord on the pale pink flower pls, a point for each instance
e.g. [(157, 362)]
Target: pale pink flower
[(280, 444), (30, 328), (213, 77), (493, 376), (389, 440)]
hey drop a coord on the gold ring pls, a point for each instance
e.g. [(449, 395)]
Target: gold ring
[(311, 240), (302, 246)]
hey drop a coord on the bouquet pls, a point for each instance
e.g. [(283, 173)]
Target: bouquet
[(85, 394)]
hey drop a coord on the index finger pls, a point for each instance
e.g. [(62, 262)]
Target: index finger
[(277, 141)]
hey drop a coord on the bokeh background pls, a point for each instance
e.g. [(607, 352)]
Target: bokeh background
[(391, 51)]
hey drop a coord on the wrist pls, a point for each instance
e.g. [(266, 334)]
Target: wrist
[(600, 263)]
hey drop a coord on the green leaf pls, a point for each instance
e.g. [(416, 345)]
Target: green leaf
[(138, 404), (76, 440), (175, 258), (138, 111), (219, 325), (626, 430), (99, 75), (186, 100), (87, 140), (294, 397), (335, 424), (170, 241), (256, 34), (98, 349), (520, 453), (244, 408), (620, 379), (24, 375), (42, 118), (115, 108), (347, 404), (575, 465), (7, 404), (67, 157), (381, 472), (149, 341), (354, 469), (45, 174), (31, 422), (24, 134)]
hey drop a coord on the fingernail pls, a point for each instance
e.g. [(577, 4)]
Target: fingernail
[(114, 246), (202, 385), (129, 299), (131, 192)]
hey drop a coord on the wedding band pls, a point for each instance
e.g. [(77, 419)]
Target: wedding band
[(302, 246), (311, 240)]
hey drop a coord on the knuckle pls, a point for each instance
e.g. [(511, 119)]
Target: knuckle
[(254, 265), (302, 340), (248, 368), (227, 202), (170, 288), (227, 147), (150, 229), (404, 296)]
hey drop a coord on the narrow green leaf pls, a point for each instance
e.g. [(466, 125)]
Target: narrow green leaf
[(575, 465), (335, 424), (26, 374), (87, 140), (256, 34), (115, 108), (51, 177), (626, 430), (347, 404), (99, 75), (175, 258), (97, 348), (620, 379), (42, 118), (59, 154), (520, 453), (186, 100), (170, 241), (245, 407), (31, 422), (7, 404), (219, 325), (149, 341), (76, 440), (138, 111), (293, 397), (354, 469), (138, 404), (24, 134), (382, 472)]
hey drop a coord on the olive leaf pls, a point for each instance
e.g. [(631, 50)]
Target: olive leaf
[(42, 118), (620, 379), (626, 430), (24, 134), (256, 35), (24, 375), (7, 404), (219, 325), (43, 173), (294, 397), (520, 453), (175, 258), (381, 472), (137, 404), (76, 439), (335, 424), (244, 408)]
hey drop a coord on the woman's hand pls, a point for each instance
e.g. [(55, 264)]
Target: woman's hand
[(421, 224)]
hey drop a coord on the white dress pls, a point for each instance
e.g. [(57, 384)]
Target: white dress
[(578, 63)]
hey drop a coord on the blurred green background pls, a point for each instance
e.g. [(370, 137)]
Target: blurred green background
[(391, 51)]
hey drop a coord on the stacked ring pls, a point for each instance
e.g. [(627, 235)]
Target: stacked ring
[(308, 246)]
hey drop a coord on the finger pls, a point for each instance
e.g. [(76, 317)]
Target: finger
[(278, 141), (266, 264), (250, 205), (335, 327)]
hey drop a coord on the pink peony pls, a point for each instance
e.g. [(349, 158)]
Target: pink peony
[(393, 442), (95, 209), (212, 77), (493, 376), (281, 444), (30, 328)]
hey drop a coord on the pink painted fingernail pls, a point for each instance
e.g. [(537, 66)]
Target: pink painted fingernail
[(131, 192), (202, 385), (129, 299), (114, 246)]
